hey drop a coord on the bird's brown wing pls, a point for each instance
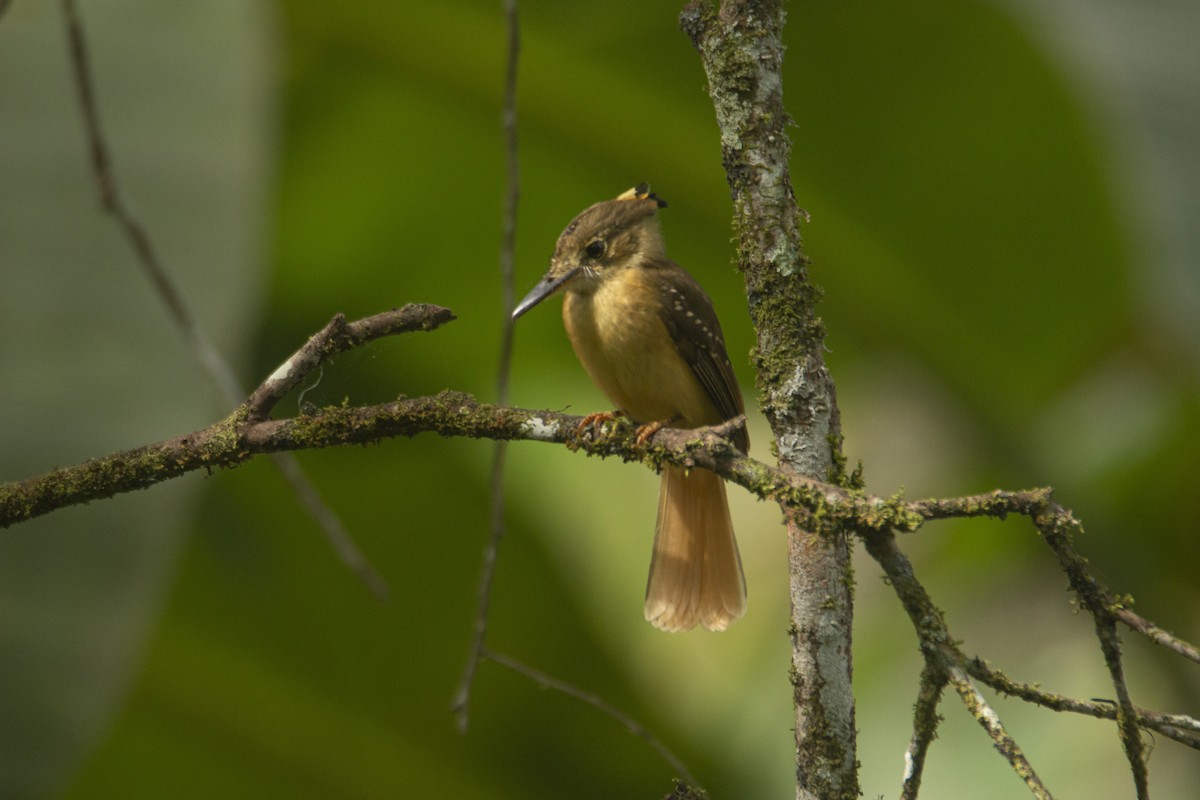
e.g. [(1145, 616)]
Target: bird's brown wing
[(688, 315)]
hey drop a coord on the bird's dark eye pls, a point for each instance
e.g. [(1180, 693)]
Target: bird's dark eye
[(595, 248)]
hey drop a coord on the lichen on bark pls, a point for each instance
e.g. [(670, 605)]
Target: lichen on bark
[(742, 52)]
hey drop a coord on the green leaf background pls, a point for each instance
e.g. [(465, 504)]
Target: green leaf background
[(1002, 203)]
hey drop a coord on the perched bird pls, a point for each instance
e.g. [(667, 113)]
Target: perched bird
[(648, 337)]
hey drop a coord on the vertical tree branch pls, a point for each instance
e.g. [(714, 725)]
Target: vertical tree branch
[(925, 723), (1127, 727), (741, 49), (508, 248), (1057, 526)]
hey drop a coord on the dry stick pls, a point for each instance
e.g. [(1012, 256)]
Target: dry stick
[(632, 725), (1057, 526), (925, 722), (339, 336), (1029, 503), (462, 697), (1004, 743), (1172, 720), (202, 348)]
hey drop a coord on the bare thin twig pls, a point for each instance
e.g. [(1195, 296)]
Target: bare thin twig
[(197, 341), (462, 697), (339, 336), (1057, 526), (135, 231), (632, 725)]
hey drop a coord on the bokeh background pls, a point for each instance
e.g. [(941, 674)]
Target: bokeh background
[(1003, 200)]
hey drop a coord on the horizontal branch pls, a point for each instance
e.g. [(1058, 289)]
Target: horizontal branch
[(224, 444), (249, 432), (239, 438), (1181, 728)]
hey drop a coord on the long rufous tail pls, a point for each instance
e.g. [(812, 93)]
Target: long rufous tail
[(696, 572)]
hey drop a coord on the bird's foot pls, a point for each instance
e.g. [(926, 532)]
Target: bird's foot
[(593, 424), (650, 428)]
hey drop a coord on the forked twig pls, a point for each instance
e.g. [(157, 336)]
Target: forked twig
[(1058, 527)]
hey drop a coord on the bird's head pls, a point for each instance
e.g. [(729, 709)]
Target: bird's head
[(606, 237)]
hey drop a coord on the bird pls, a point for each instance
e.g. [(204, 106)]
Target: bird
[(648, 337)]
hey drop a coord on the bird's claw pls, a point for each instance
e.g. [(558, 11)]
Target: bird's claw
[(649, 429), (592, 425)]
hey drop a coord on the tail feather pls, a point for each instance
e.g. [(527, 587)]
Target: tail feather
[(696, 571)]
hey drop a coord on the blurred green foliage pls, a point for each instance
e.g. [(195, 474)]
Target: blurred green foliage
[(990, 323)]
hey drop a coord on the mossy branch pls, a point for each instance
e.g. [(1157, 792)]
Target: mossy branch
[(821, 507), (741, 49)]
